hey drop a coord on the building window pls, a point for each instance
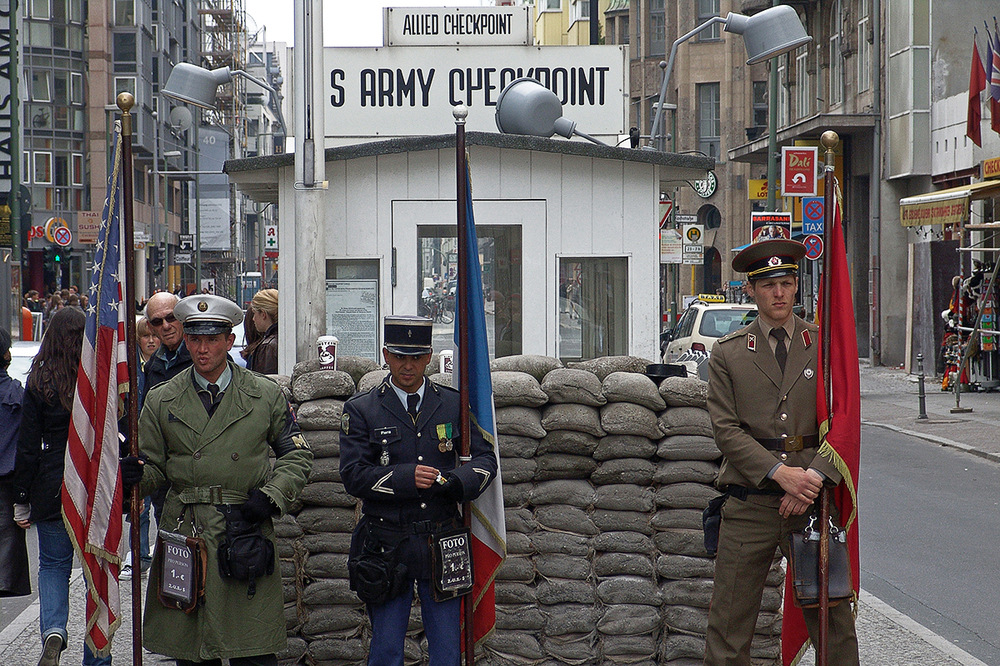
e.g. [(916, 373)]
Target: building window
[(40, 89), (77, 169), (124, 47), (76, 88), (709, 119), (43, 168), (623, 35), (580, 10), (124, 12), (864, 49), (500, 251), (124, 84), (760, 102), (593, 307), (802, 97), (25, 167), (708, 9), (836, 70), (61, 170), (551, 5), (657, 28), (40, 9)]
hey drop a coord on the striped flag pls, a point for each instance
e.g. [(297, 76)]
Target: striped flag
[(994, 67), (489, 534), (91, 490)]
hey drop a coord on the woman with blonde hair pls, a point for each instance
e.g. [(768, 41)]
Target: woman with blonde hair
[(264, 309)]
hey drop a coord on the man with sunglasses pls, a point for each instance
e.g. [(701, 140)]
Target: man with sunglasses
[(172, 356)]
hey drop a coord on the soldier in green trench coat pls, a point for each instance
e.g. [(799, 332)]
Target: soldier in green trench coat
[(212, 447)]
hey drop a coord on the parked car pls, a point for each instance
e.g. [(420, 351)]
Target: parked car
[(691, 340)]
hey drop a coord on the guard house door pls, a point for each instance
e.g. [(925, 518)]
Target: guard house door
[(511, 253)]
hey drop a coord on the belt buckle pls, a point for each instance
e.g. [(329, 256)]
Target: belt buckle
[(794, 443), (215, 495)]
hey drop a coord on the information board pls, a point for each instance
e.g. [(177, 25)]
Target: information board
[(352, 316)]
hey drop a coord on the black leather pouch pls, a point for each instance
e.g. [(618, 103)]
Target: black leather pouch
[(804, 565)]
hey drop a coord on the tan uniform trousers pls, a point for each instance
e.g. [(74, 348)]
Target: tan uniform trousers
[(750, 532)]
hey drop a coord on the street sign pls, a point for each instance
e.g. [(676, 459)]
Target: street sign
[(186, 242), (182, 257), (814, 246), (62, 236), (671, 246), (694, 248), (666, 206), (271, 237), (769, 226), (812, 215), (798, 171), (140, 246)]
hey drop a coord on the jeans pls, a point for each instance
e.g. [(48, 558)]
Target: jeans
[(55, 563), (441, 625)]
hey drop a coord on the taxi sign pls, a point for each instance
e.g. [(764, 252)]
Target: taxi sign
[(712, 298)]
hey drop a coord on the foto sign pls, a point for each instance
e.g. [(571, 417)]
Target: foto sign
[(457, 26), (694, 244), (412, 90), (798, 171)]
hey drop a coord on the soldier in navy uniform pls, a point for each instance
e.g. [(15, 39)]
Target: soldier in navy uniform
[(762, 400), (399, 453)]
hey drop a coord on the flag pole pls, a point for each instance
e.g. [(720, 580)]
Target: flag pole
[(125, 102), (462, 322), (829, 141)]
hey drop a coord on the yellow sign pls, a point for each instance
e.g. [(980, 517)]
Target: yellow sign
[(712, 298), (991, 168), (757, 189), (948, 211)]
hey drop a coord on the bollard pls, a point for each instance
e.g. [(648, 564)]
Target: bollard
[(920, 385)]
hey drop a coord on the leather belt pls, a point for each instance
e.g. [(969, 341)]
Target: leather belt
[(417, 527), (790, 442), (211, 495)]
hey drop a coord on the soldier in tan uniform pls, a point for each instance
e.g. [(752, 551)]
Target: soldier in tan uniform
[(762, 400)]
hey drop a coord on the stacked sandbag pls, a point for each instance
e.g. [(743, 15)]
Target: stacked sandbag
[(605, 475)]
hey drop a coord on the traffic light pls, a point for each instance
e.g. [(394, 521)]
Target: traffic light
[(158, 258), (57, 256)]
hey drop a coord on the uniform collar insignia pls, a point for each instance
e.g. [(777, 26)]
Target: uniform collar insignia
[(806, 339), (751, 342)]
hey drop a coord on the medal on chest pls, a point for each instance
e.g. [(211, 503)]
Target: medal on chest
[(445, 443), (384, 458)]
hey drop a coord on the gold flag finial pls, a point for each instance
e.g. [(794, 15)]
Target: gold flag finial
[(125, 102)]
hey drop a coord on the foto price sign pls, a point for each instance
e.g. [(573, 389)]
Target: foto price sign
[(798, 171)]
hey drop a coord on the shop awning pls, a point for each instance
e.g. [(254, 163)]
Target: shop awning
[(949, 206)]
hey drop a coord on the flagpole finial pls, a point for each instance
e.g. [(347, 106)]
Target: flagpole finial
[(125, 102), (461, 112)]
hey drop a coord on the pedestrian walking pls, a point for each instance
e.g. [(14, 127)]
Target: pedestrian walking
[(38, 475), (762, 401), (208, 435), (264, 309), (14, 577), (399, 446)]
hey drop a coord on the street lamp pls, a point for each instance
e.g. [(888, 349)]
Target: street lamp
[(525, 106), (767, 34)]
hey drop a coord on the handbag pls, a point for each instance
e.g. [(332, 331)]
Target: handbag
[(803, 556), (374, 568)]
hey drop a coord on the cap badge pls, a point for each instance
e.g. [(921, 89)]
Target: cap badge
[(774, 261), (202, 306), (409, 332)]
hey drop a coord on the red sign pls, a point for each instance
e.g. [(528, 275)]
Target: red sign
[(798, 171), (666, 205), (62, 236), (814, 246)]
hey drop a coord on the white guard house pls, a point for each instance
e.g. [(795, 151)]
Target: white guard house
[(568, 240)]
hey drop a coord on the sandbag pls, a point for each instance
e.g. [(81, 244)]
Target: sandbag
[(577, 387), (517, 389), (631, 387)]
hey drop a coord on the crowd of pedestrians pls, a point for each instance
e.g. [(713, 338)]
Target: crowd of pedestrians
[(34, 430)]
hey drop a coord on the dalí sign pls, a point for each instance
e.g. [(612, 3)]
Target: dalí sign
[(407, 91)]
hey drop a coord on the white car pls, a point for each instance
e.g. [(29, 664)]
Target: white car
[(691, 340)]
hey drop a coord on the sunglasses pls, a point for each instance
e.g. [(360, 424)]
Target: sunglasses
[(158, 321)]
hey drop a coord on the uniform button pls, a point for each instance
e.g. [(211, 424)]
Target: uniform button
[(784, 435), (236, 456), (419, 434), (783, 417), (784, 397), (384, 441), (423, 505), (197, 455), (420, 458), (783, 457)]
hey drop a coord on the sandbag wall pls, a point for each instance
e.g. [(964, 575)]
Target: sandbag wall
[(605, 476)]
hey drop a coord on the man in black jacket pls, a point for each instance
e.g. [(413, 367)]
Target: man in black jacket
[(172, 356)]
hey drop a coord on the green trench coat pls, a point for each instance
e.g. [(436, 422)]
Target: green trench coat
[(187, 450)]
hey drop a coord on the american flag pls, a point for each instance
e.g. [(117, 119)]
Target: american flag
[(91, 490)]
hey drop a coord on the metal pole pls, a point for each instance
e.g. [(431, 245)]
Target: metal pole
[(125, 102), (462, 311), (829, 141), (922, 397), (772, 133)]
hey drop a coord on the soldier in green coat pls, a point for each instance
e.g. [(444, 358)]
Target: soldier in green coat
[(208, 434)]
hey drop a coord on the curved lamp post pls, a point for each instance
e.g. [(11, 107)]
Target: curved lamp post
[(525, 106), (770, 33)]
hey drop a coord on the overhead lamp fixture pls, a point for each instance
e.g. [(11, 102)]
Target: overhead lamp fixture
[(767, 34), (525, 106)]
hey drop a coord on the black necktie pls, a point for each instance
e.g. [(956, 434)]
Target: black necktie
[(412, 400), (780, 351), (210, 398)]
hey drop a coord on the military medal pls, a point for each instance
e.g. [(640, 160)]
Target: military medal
[(808, 373), (445, 443), (384, 459)]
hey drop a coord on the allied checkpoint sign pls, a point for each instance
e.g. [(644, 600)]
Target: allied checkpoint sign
[(411, 90)]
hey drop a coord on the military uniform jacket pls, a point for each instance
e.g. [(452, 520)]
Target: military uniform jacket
[(193, 453), (748, 398), (380, 448)]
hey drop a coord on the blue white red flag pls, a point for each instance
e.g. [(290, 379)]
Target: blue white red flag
[(92, 490), (994, 68), (489, 534)]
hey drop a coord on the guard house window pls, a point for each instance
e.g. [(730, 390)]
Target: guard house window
[(657, 28), (802, 83), (709, 124), (707, 9), (500, 252), (864, 47), (836, 70), (593, 307), (43, 168)]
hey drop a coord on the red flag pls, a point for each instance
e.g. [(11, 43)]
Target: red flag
[(839, 427), (91, 490), (977, 82)]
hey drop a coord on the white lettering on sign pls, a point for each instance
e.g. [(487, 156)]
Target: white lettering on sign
[(403, 91)]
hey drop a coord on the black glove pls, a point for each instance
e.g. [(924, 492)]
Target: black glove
[(452, 489), (258, 507), (131, 468)]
